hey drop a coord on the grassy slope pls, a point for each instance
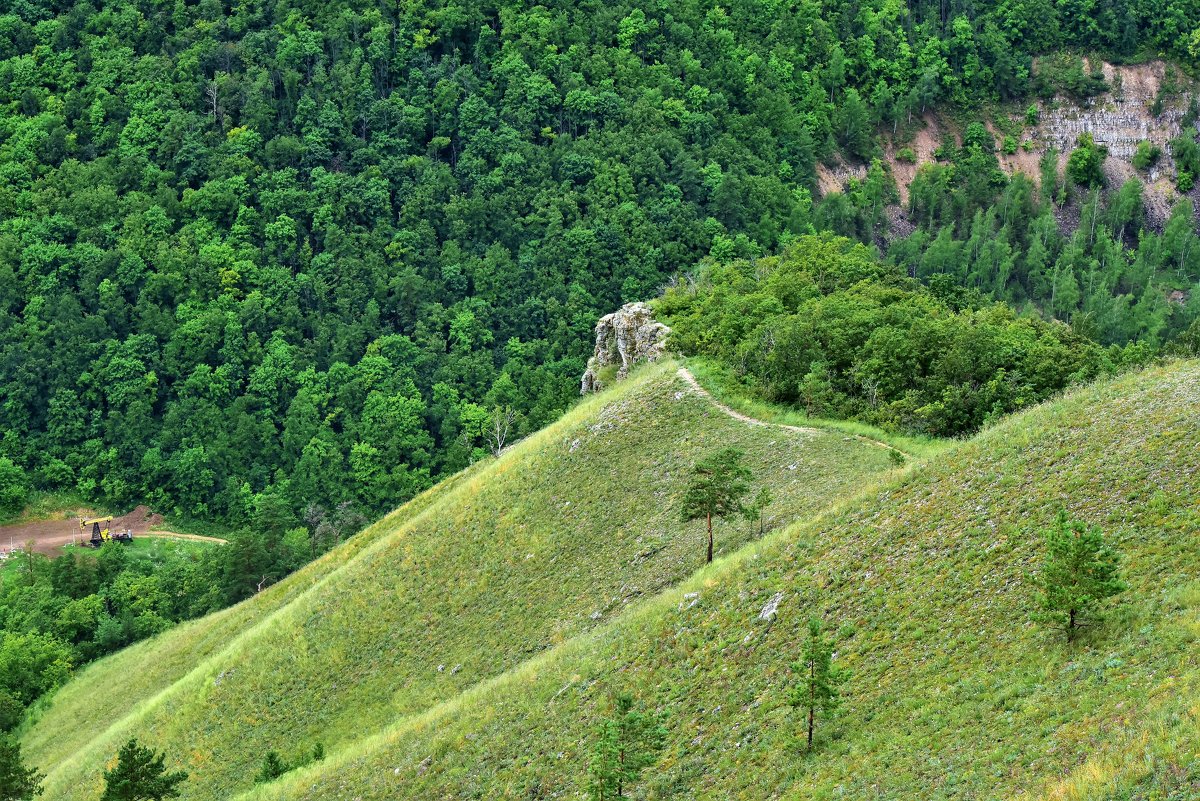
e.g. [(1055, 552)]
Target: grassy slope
[(149, 667), (550, 541), (952, 692)]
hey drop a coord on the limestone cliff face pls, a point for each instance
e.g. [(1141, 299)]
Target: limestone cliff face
[(624, 338), (1118, 119)]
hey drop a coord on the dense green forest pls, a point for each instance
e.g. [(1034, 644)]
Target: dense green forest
[(307, 249), (57, 615)]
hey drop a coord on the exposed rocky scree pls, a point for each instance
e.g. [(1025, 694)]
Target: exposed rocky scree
[(624, 338), (1118, 119)]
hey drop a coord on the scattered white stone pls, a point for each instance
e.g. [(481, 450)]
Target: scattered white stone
[(441, 668), (768, 612)]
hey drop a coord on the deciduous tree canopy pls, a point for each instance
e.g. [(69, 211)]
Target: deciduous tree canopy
[(303, 247)]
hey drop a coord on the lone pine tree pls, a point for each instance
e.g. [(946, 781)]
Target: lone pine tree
[(272, 768), (817, 691), (140, 775), (628, 743), (718, 486), (1079, 573)]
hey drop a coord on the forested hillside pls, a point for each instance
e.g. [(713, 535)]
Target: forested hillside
[(1074, 244), (308, 249)]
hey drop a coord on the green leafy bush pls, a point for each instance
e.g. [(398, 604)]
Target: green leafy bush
[(12, 487), (828, 327), (1146, 155), (1085, 166), (1186, 153)]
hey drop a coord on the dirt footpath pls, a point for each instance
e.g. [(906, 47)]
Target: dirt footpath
[(50, 535)]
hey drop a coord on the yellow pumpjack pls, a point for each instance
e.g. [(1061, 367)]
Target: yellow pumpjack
[(101, 533)]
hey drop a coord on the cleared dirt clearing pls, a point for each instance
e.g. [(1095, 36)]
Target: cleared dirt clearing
[(49, 536)]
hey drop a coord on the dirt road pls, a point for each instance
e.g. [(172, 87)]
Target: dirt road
[(50, 535)]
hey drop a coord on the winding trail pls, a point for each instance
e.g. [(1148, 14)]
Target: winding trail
[(690, 379)]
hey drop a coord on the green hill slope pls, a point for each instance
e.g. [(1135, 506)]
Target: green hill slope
[(952, 692), (525, 553), (148, 667)]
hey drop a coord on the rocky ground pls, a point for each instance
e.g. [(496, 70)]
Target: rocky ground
[(1117, 119)]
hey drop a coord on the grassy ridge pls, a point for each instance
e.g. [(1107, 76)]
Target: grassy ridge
[(553, 539), (149, 667), (952, 692)]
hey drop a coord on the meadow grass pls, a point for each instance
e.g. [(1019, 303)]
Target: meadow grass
[(952, 692), (524, 554)]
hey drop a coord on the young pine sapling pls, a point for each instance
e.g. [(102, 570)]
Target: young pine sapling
[(718, 486), (629, 742), (1079, 572), (817, 691), (140, 775)]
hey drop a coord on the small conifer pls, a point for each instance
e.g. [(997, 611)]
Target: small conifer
[(1079, 573)]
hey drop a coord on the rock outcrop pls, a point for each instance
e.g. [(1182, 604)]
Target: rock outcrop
[(624, 338), (1118, 119)]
